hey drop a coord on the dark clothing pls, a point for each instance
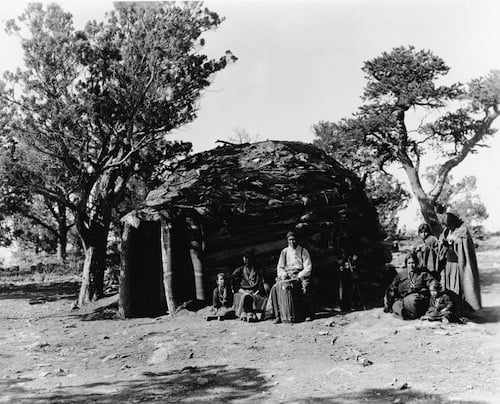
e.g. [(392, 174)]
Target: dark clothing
[(222, 302), (461, 274), (250, 295), (222, 297), (427, 256), (408, 295), (248, 279), (305, 295), (440, 307)]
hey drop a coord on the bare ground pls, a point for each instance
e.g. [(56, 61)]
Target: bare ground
[(51, 354)]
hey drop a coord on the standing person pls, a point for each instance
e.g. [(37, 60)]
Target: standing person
[(461, 274), (428, 251), (250, 294), (294, 263), (408, 295)]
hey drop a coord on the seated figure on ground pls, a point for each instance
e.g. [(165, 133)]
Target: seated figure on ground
[(441, 307), (250, 295), (294, 267), (408, 295), (222, 299)]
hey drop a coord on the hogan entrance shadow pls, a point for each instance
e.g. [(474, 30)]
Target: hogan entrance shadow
[(39, 292), (189, 384)]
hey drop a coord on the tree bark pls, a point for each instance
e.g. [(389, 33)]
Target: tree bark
[(62, 244), (427, 204), (95, 242), (62, 239)]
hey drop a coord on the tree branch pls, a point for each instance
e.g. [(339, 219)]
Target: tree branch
[(467, 147)]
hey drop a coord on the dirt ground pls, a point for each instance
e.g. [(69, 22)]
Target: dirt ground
[(52, 354)]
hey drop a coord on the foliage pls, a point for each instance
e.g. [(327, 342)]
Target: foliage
[(461, 196), (401, 85), (94, 106), (386, 192)]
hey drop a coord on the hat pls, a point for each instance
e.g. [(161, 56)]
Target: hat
[(290, 234)]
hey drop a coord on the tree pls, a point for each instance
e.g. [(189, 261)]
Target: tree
[(35, 219), (461, 196), (405, 81), (241, 135), (98, 103), (387, 193)]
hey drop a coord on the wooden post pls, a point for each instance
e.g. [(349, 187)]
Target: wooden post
[(125, 303), (195, 251), (166, 257)]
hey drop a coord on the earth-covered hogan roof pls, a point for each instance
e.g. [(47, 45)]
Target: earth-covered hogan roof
[(246, 197)]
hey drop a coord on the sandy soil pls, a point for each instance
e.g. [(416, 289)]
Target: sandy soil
[(51, 354)]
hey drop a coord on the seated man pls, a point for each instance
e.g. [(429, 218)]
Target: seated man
[(441, 307), (294, 263), (408, 295), (250, 294)]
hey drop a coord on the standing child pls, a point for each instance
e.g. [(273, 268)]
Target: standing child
[(222, 303)]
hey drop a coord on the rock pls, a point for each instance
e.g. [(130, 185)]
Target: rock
[(110, 357), (333, 340), (323, 332), (364, 361), (404, 386)]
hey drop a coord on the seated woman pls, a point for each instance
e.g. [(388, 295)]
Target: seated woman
[(250, 294), (222, 302), (408, 295), (441, 307)]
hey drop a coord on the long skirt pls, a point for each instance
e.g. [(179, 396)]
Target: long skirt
[(452, 277), (411, 306), (248, 303)]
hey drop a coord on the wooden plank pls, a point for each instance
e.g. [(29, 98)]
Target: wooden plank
[(166, 255)]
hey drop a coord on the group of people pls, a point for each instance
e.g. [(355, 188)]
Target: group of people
[(245, 294), (441, 279)]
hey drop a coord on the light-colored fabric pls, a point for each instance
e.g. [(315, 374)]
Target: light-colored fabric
[(294, 262)]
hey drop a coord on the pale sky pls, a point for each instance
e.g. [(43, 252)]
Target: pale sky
[(300, 62)]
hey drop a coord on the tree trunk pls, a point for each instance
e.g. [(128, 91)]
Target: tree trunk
[(427, 207), (62, 239), (62, 243), (427, 204), (95, 245)]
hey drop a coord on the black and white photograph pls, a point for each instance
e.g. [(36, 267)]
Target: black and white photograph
[(249, 201)]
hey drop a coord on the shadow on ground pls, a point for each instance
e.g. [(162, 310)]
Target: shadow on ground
[(485, 315), (189, 384), (40, 292), (383, 396)]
